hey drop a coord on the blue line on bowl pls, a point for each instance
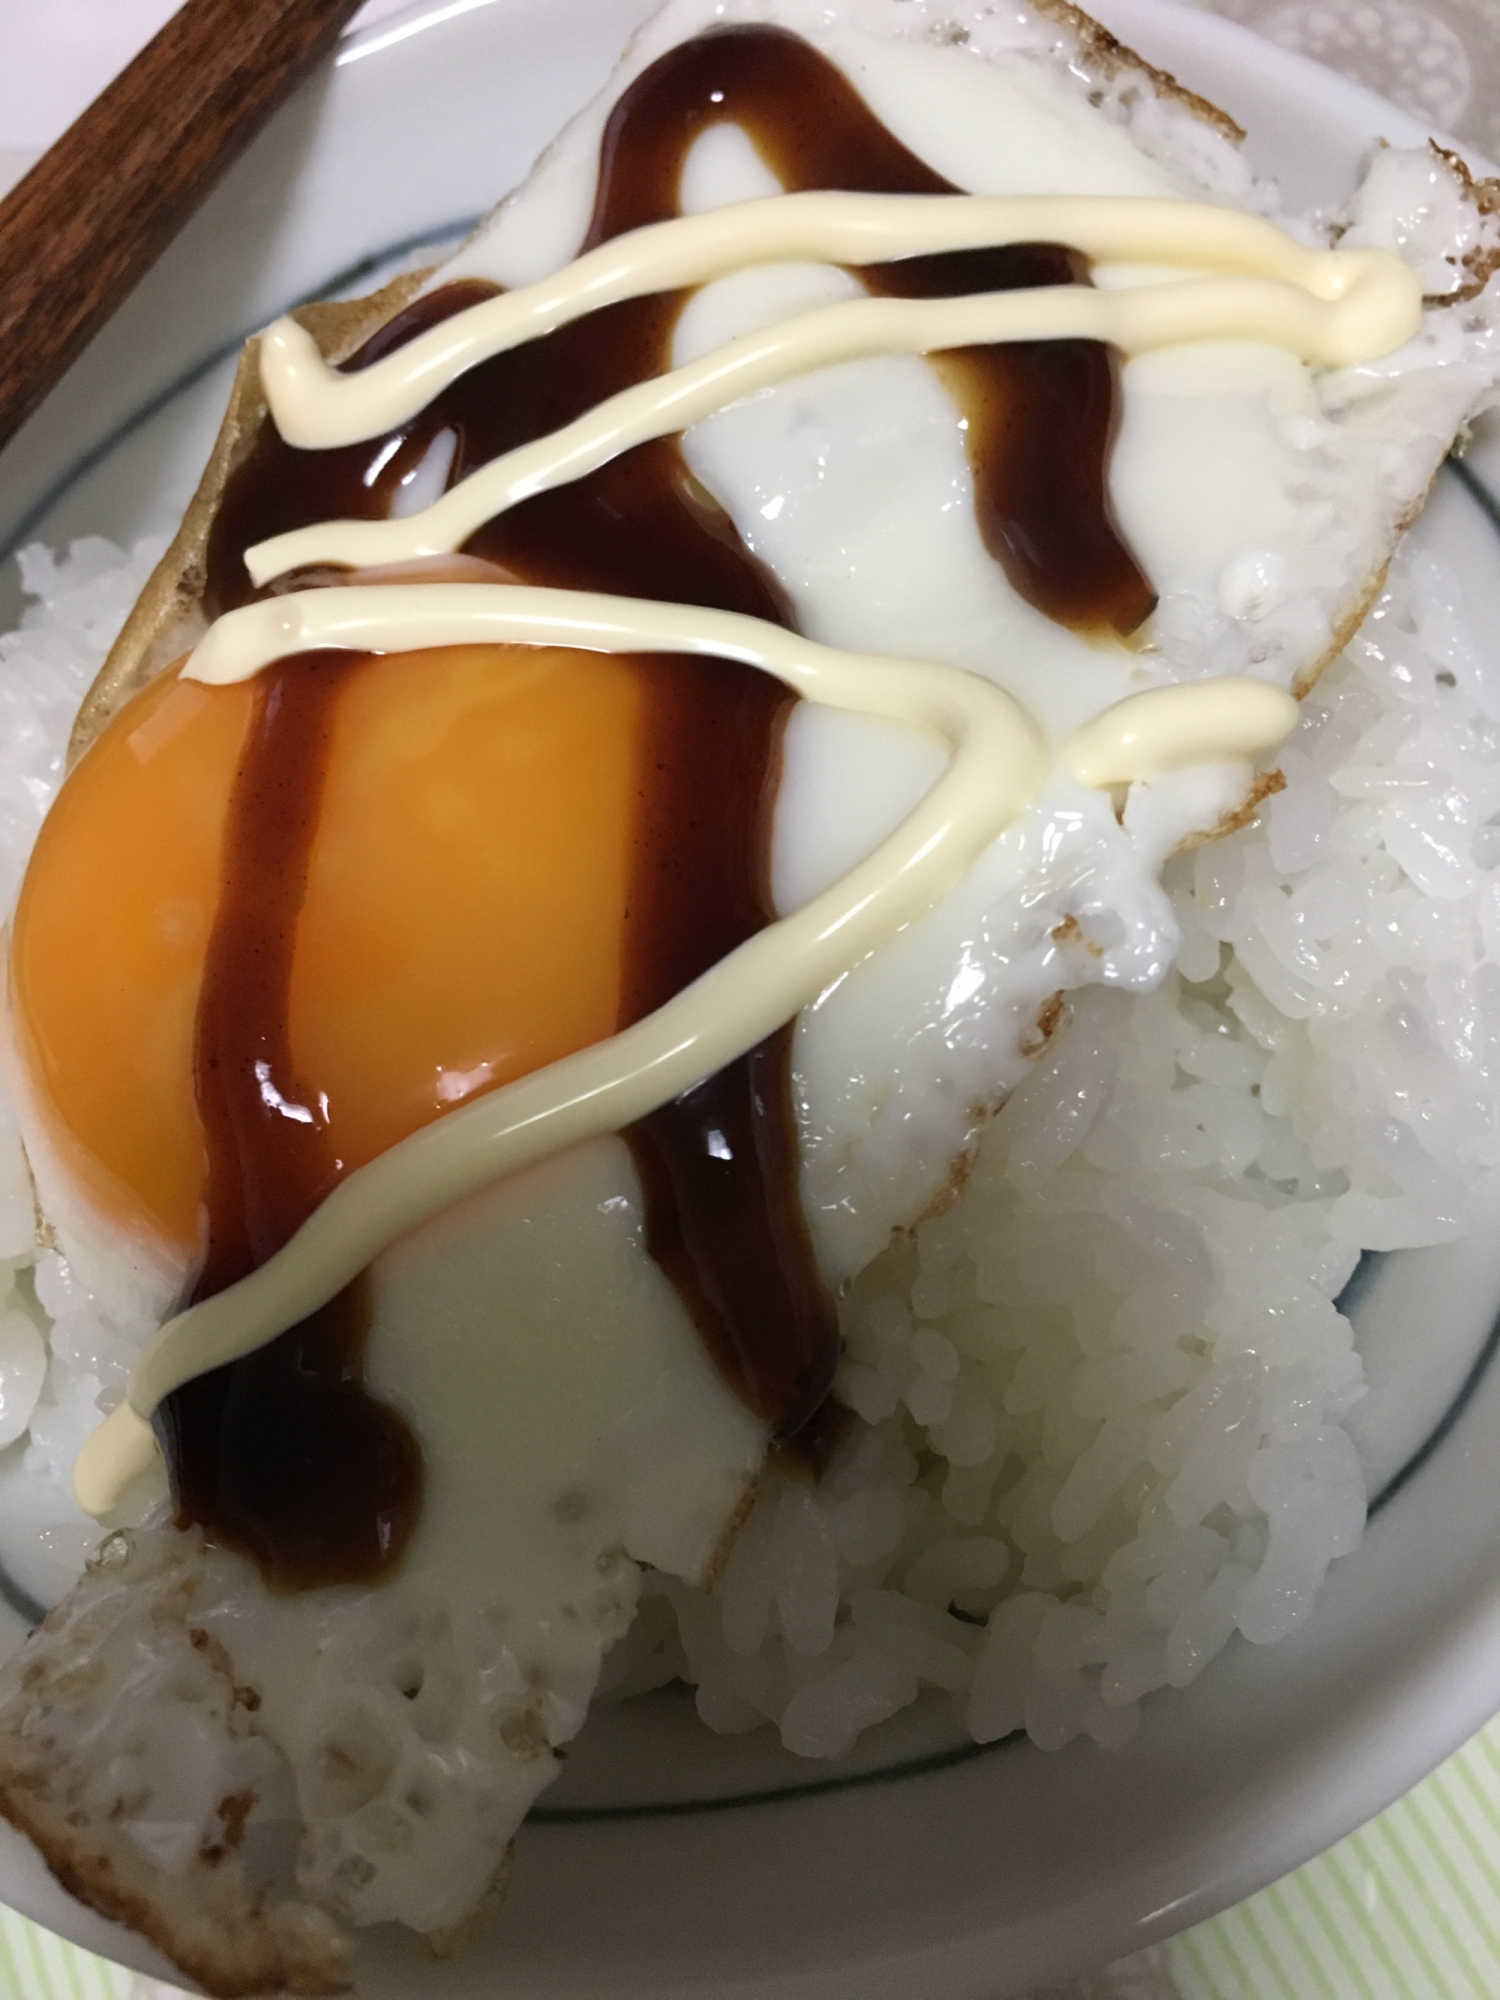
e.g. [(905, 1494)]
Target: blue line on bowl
[(1476, 489), (352, 274), (1444, 1425), (18, 1599), (1361, 1279), (912, 1767)]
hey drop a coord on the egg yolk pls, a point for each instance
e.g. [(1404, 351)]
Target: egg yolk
[(463, 920)]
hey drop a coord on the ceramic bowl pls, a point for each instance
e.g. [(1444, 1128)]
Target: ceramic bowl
[(668, 1862)]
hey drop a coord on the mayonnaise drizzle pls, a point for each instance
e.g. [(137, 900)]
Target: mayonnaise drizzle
[(1165, 728), (316, 406), (1332, 308)]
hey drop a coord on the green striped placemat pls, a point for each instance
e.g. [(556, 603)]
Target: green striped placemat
[(1408, 1908), (35, 1965)]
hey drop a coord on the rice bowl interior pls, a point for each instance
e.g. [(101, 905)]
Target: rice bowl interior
[(663, 1839)]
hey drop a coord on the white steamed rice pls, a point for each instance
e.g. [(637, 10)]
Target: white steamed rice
[(1101, 1399), (1103, 1395)]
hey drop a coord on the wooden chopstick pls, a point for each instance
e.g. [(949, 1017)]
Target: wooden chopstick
[(92, 216)]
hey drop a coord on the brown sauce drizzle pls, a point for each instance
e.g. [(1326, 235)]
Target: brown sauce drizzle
[(286, 1454), (1041, 413)]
